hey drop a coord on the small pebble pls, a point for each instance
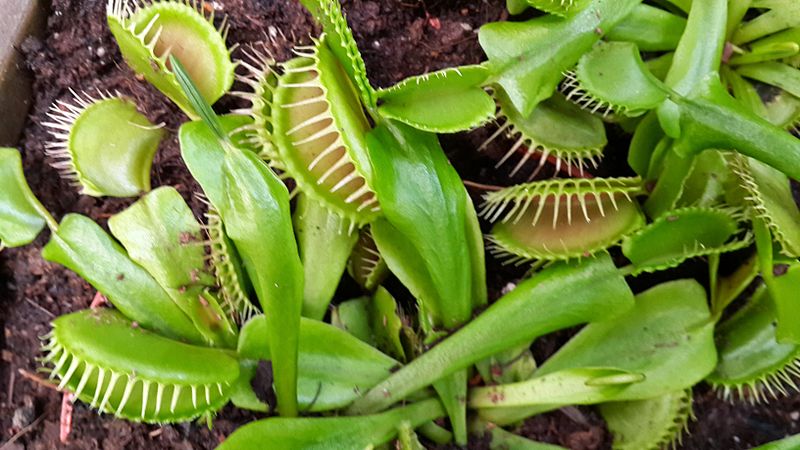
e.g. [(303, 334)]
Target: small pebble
[(23, 416), (795, 415), (101, 51), (508, 288)]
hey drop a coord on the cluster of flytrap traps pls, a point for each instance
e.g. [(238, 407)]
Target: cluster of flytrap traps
[(197, 306)]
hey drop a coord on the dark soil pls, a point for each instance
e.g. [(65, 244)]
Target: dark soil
[(398, 38)]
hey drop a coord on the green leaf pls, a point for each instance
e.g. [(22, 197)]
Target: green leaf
[(646, 138), (387, 325), (352, 316), (376, 321), (561, 296), (562, 8), (716, 120), (649, 28), (699, 53), (752, 363), (256, 216), (527, 59), (325, 242), (784, 291), (648, 424), (508, 366), (515, 7), (769, 197), (789, 443), (744, 91), (426, 223), (708, 180), (83, 247), (22, 217), (334, 367), (582, 386), (204, 154), (784, 111), (777, 74), (782, 14), (681, 234), (671, 171), (318, 433), (778, 50), (505, 440), (668, 337), (162, 235), (446, 101)]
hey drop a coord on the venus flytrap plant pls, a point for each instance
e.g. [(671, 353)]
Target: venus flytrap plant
[(527, 59), (366, 265), (334, 367), (650, 424), (556, 128), (161, 234), (667, 339), (438, 257), (254, 206), (753, 365), (682, 234), (103, 145), (149, 32), (597, 292), (317, 130), (116, 366), (375, 186), (563, 218)]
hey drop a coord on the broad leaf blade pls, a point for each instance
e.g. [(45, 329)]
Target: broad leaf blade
[(162, 235), (22, 217), (83, 247)]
